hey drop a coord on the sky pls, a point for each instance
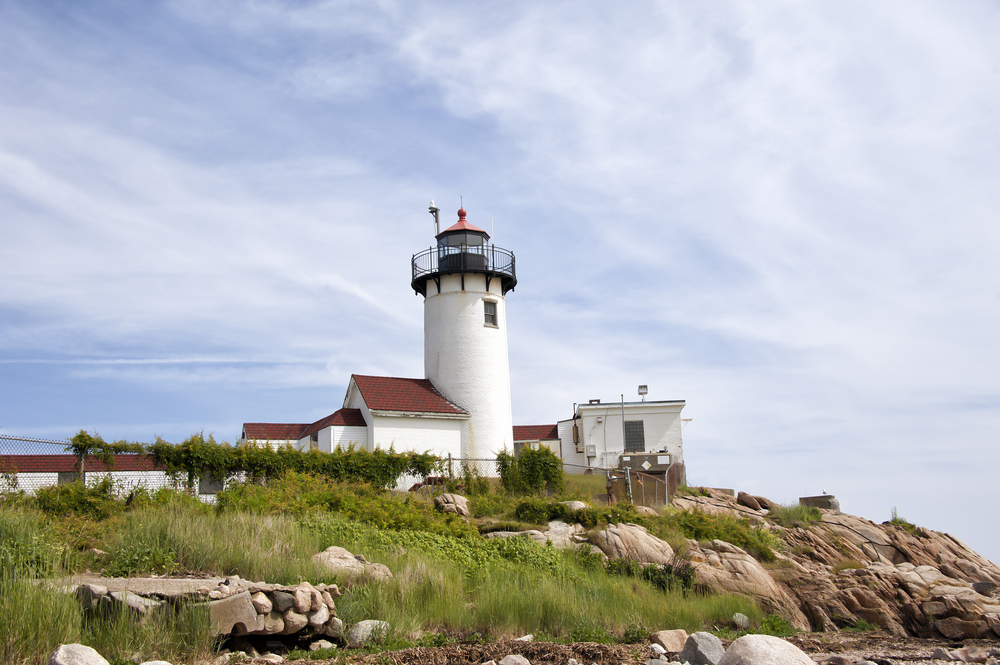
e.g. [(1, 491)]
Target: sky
[(784, 213)]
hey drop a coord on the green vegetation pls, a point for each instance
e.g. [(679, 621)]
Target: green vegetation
[(846, 564), (448, 581), (534, 471), (796, 515), (896, 520)]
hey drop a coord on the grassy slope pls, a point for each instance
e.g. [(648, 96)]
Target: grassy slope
[(447, 578)]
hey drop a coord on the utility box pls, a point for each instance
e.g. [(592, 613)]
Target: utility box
[(651, 463)]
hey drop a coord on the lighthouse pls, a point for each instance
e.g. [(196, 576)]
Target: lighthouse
[(464, 281)]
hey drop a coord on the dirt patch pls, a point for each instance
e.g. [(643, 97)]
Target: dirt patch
[(880, 648)]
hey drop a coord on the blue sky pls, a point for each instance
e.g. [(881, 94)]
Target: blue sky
[(785, 214)]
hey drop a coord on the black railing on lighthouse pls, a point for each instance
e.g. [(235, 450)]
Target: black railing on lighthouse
[(488, 260)]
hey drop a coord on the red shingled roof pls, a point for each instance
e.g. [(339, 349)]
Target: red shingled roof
[(389, 393), (66, 463), (343, 417), (273, 431), (536, 432)]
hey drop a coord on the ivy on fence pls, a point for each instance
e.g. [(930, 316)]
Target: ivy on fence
[(199, 455)]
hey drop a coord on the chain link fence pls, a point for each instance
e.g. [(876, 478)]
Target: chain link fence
[(29, 464)]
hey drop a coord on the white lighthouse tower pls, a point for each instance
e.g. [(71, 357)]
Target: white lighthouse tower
[(464, 280)]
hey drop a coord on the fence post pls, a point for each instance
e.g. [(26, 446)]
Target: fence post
[(628, 483), (450, 476)]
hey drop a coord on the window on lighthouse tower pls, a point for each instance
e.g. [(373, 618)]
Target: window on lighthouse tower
[(490, 310)]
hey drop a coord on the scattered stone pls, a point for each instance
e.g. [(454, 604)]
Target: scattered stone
[(941, 654), (322, 644), (656, 649), (574, 505), (514, 659), (155, 662), (274, 623), (203, 590), (703, 649), (90, 595), (135, 602), (319, 617), (765, 503), (363, 632), (261, 603), (671, 640), (452, 503), (271, 658), (334, 628), (282, 601), (76, 654), (970, 655), (839, 660), (229, 612), (958, 629), (764, 650), (525, 638), (294, 622), (647, 511), (741, 621)]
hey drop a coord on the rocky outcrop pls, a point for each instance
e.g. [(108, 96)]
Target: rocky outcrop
[(726, 569), (844, 569), (631, 541)]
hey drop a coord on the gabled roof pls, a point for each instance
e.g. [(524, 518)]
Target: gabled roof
[(273, 431), (389, 393), (343, 417), (67, 463), (535, 432)]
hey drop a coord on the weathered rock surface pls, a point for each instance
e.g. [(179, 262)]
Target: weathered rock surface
[(76, 654), (452, 503), (845, 569), (366, 631), (764, 650), (631, 541), (671, 640), (342, 562), (702, 649)]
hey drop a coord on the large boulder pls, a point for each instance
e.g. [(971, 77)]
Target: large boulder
[(235, 613), (764, 650), (341, 562), (366, 631), (726, 569), (76, 654), (452, 503), (631, 541), (702, 649)]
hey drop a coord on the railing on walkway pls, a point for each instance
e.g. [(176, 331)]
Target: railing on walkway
[(487, 259)]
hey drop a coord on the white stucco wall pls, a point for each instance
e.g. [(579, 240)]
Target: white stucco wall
[(661, 427), (467, 360), (440, 436)]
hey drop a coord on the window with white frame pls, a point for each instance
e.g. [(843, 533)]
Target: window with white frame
[(490, 312)]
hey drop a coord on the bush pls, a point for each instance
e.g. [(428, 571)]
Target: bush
[(903, 523), (97, 501), (796, 516), (534, 471), (678, 575), (773, 624), (700, 525)]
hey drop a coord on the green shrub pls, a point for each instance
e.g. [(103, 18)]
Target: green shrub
[(678, 575), (635, 635), (534, 471), (539, 511), (773, 624), (301, 493), (896, 520), (140, 558), (701, 525), (591, 633), (861, 626), (796, 516), (97, 501), (490, 505)]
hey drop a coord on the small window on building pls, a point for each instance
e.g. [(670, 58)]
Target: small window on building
[(635, 437), (490, 309), (67, 477), (209, 484)]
